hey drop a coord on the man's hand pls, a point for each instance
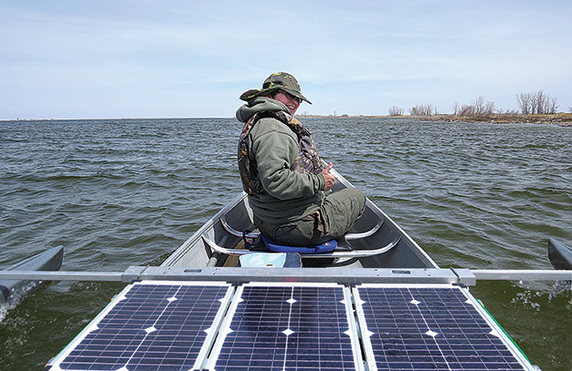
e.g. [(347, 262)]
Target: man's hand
[(329, 178)]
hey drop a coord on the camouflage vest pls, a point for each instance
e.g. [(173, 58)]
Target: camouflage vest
[(307, 161)]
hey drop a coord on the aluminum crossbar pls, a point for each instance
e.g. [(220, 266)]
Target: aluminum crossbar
[(339, 275)]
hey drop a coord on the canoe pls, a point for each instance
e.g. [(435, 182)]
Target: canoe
[(49, 260), (375, 241), (377, 302)]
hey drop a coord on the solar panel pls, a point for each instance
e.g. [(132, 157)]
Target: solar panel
[(152, 326), (294, 327), (175, 326), (426, 328)]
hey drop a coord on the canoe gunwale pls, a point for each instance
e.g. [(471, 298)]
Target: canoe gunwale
[(191, 241), (415, 248)]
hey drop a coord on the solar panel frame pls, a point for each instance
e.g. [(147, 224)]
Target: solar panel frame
[(294, 360), (108, 315), (381, 358)]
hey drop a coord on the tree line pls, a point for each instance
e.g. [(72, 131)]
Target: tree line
[(538, 103), (528, 103)]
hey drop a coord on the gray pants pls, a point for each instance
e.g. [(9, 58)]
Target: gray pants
[(335, 218)]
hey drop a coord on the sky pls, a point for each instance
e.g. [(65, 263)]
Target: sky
[(80, 59)]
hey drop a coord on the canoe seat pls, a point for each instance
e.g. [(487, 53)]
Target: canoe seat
[(276, 247)]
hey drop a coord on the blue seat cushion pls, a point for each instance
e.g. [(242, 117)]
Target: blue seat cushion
[(276, 247)]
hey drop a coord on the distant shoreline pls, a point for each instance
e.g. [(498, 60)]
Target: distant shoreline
[(562, 119)]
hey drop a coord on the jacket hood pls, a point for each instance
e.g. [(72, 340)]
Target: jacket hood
[(259, 104)]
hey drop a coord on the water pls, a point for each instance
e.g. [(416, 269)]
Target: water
[(117, 193)]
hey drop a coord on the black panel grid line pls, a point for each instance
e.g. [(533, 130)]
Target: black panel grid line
[(161, 326), (294, 327), (441, 327)]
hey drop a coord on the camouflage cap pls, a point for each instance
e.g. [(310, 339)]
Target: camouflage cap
[(277, 81)]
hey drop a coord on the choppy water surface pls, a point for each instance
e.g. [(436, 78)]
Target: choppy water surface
[(127, 192)]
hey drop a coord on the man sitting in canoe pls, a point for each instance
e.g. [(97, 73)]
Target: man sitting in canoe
[(288, 187)]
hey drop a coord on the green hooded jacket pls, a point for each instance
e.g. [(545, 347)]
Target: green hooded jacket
[(288, 195)]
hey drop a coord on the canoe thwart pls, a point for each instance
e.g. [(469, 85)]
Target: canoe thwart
[(348, 236), (360, 235), (332, 254)]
